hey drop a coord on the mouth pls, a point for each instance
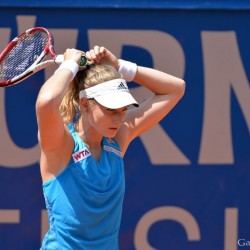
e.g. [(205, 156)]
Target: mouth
[(113, 129)]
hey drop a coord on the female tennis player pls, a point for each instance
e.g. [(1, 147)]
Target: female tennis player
[(87, 119)]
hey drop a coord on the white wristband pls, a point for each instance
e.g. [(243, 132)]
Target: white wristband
[(70, 65), (128, 70)]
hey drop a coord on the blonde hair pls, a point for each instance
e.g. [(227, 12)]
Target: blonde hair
[(69, 107)]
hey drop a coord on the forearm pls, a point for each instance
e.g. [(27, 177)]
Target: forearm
[(159, 82)]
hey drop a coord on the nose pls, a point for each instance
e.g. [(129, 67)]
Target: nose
[(118, 118)]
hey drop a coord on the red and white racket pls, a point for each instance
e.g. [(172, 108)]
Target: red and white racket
[(27, 54)]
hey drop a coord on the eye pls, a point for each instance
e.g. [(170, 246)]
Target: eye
[(117, 110)]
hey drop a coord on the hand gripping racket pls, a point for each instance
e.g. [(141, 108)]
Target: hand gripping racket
[(27, 54)]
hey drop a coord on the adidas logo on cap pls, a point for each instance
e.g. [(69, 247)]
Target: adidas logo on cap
[(122, 86)]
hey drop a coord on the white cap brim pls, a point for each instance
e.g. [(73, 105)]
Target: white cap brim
[(116, 100), (112, 94)]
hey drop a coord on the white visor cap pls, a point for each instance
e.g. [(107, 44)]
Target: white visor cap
[(112, 94)]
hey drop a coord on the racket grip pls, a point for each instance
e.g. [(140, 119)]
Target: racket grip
[(59, 59), (83, 64)]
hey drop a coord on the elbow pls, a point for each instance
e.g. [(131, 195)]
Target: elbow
[(181, 88), (44, 102)]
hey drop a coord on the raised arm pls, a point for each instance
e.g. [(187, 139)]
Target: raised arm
[(167, 91), (53, 136)]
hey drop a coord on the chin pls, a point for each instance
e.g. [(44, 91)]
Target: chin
[(111, 134)]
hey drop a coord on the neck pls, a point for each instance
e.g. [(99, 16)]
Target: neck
[(92, 139), (89, 135)]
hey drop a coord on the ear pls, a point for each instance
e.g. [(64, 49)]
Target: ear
[(84, 104)]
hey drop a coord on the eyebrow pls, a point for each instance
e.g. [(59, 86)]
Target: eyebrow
[(124, 108)]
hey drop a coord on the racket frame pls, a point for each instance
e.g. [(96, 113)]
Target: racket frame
[(38, 64)]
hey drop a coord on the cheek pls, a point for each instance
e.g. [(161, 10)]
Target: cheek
[(97, 117), (124, 116)]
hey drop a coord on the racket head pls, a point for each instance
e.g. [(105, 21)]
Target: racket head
[(22, 53)]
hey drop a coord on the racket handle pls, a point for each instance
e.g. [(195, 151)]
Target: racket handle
[(59, 59), (83, 64)]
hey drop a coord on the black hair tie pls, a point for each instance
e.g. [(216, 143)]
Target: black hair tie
[(90, 66)]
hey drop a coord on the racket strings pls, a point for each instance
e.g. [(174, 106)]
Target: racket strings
[(22, 55)]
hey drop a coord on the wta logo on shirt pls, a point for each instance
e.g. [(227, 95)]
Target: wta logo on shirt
[(80, 155)]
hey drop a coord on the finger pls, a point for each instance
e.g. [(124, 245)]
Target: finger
[(103, 51), (97, 52), (87, 54), (72, 54), (93, 55)]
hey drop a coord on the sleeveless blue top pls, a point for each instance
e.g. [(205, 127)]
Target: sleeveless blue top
[(84, 201)]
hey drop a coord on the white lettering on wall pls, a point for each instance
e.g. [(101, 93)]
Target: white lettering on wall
[(189, 223), (231, 228), (224, 71), (44, 223), (9, 216), (177, 214), (5, 37)]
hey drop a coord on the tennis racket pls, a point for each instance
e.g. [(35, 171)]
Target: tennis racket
[(28, 53)]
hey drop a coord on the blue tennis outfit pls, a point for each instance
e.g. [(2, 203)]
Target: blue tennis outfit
[(84, 202)]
